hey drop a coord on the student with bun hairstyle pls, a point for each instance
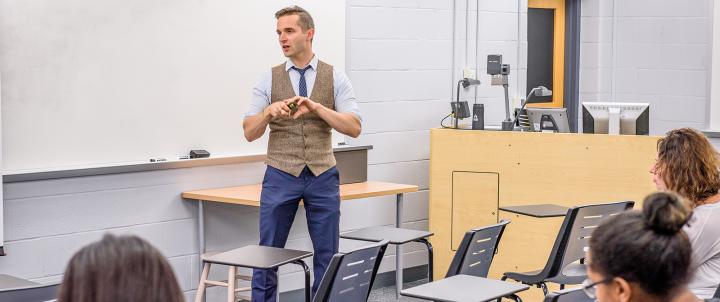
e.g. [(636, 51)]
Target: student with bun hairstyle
[(642, 256), (119, 269), (688, 164)]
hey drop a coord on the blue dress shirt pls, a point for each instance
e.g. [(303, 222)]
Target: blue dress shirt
[(345, 100)]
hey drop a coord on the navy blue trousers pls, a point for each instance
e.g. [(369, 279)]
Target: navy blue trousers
[(279, 200)]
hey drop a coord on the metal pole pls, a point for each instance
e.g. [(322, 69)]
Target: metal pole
[(398, 248)]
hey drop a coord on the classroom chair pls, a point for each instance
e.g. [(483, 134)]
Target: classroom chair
[(468, 270), (395, 236), (566, 262), (251, 256), (350, 275)]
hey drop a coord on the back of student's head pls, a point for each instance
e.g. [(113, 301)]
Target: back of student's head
[(689, 164), (119, 269), (647, 248)]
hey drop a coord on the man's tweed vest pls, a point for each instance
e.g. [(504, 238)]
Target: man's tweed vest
[(306, 141)]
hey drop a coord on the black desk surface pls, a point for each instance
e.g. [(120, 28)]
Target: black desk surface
[(464, 288), (538, 210), (255, 256), (392, 234)]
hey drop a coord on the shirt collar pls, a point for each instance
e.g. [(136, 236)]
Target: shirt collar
[(313, 63)]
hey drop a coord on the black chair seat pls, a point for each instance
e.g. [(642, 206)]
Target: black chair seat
[(574, 273), (392, 234), (464, 288), (531, 277), (255, 256), (568, 295), (395, 236)]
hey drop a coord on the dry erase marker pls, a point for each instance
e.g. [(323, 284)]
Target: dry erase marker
[(154, 160)]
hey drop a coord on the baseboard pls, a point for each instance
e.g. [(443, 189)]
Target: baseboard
[(385, 279)]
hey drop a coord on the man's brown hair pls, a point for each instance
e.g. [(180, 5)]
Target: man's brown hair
[(306, 21), (689, 164)]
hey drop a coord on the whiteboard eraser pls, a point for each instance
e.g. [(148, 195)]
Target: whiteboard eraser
[(199, 154)]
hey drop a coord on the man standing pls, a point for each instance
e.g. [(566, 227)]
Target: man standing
[(301, 100)]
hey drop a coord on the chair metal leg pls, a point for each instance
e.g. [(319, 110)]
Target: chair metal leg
[(562, 286), (307, 279), (200, 293), (430, 258), (515, 297), (544, 288), (503, 278)]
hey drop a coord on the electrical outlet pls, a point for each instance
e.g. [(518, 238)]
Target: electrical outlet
[(469, 73)]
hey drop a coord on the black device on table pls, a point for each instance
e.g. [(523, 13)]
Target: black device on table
[(499, 77), (199, 154)]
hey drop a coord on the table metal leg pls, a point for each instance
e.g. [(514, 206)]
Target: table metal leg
[(201, 237), (398, 248), (307, 279), (201, 231)]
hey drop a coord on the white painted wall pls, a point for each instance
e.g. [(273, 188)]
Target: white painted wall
[(491, 27), (648, 51), (714, 104)]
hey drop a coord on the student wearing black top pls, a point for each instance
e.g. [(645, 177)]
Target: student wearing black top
[(642, 256)]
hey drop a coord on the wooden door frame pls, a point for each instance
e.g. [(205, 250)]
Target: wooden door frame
[(558, 50)]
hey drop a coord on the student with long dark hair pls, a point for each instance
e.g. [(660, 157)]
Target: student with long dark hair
[(119, 269), (642, 256), (688, 164)]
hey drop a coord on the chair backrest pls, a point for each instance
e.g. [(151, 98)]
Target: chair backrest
[(575, 232), (568, 295), (476, 251), (36, 293), (350, 275)]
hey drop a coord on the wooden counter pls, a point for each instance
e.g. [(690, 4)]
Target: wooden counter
[(473, 173)]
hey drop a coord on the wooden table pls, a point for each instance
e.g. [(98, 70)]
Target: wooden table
[(249, 195)]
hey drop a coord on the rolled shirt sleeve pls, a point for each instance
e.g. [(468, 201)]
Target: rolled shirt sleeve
[(345, 100), (260, 96)]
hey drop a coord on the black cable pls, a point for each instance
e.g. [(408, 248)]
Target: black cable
[(441, 122)]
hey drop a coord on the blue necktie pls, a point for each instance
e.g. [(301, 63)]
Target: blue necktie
[(302, 86)]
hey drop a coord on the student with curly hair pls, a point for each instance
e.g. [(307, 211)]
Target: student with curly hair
[(688, 164)]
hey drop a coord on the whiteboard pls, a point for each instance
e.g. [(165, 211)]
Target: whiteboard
[(105, 82)]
